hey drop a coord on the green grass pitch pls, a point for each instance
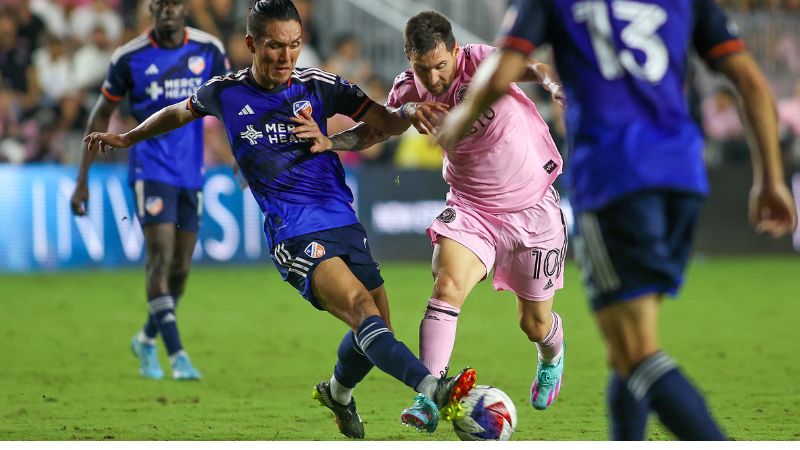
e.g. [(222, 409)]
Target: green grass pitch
[(66, 371)]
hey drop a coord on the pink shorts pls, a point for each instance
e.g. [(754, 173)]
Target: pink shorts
[(526, 248)]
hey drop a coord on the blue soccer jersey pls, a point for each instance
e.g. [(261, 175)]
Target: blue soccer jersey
[(154, 78), (624, 65), (299, 192)]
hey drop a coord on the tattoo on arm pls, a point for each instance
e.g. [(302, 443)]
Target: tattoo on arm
[(360, 137)]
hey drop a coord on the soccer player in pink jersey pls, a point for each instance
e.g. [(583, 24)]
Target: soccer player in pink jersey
[(502, 210)]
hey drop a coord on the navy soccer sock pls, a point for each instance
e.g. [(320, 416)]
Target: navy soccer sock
[(151, 326), (677, 402), (627, 415), (353, 365), (389, 354), (162, 309)]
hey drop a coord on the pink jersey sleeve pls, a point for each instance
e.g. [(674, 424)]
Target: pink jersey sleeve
[(403, 90)]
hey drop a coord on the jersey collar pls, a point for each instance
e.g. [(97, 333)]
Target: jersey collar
[(151, 36), (251, 81)]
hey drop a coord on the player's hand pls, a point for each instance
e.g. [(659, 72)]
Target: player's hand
[(308, 129), (79, 199), (772, 210), (455, 126), (558, 96), (106, 141), (425, 116)]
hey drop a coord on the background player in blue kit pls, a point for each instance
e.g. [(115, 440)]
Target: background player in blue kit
[(156, 69), (316, 241), (636, 171)]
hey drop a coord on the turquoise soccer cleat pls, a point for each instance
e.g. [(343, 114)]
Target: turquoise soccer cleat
[(148, 359), (422, 415), (547, 383), (182, 368)]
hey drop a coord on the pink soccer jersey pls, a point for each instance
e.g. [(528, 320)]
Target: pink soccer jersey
[(508, 159)]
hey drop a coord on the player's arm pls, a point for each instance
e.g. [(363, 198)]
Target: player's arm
[(490, 82), (163, 121), (539, 72), (772, 209), (376, 126), (98, 120)]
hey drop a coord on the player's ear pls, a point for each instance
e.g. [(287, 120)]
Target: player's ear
[(455, 49), (251, 43)]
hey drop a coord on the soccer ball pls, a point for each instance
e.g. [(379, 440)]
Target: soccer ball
[(489, 415)]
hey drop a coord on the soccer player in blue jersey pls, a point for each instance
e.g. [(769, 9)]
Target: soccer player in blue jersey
[(636, 171), (315, 239), (156, 69)]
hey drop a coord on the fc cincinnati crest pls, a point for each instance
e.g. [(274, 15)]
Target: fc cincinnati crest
[(315, 250), (447, 216), (197, 64), (303, 105), (462, 92), (154, 205)]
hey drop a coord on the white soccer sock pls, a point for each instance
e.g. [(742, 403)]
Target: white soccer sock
[(342, 394), (175, 355), (144, 339)]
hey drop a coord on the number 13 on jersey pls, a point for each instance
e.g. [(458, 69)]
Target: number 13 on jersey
[(643, 20)]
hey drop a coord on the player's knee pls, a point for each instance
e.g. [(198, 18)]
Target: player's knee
[(360, 307), (178, 274), (449, 289), (536, 330)]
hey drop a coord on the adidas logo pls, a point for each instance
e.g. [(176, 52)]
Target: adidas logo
[(246, 111), (152, 70), (549, 284)]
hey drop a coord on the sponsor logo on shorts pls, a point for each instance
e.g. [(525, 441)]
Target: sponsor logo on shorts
[(315, 250), (447, 216), (548, 285), (550, 166), (154, 205)]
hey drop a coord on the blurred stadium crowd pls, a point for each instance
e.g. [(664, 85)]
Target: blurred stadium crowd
[(54, 55)]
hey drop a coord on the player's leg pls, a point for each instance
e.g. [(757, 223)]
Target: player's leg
[(456, 271), (156, 209), (633, 251), (545, 328), (463, 252), (351, 367), (343, 295), (182, 367), (530, 263), (186, 228)]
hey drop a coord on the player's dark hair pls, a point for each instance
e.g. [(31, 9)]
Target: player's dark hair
[(425, 31), (265, 10)]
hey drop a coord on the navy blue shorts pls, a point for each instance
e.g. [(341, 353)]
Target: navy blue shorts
[(297, 257), (164, 203), (638, 244)]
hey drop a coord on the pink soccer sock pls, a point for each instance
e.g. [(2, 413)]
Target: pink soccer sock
[(437, 335), (550, 347)]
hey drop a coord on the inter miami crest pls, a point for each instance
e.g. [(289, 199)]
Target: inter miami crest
[(462, 92), (447, 216), (302, 106)]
